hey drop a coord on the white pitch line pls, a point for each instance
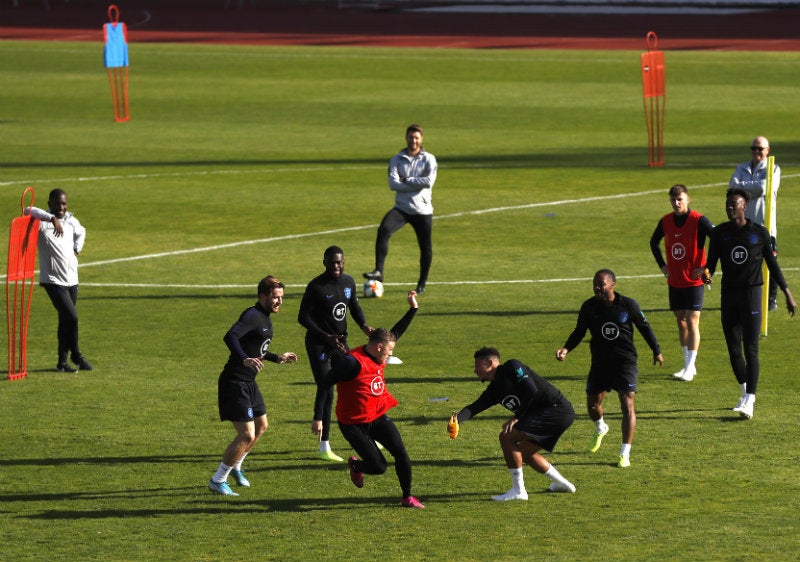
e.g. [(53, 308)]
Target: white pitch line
[(395, 284), (372, 226)]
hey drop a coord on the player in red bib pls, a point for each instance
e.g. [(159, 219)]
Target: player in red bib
[(363, 402), (684, 232)]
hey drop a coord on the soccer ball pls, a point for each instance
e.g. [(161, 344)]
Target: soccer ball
[(373, 289)]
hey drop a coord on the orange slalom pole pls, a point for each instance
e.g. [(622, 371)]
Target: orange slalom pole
[(654, 97), (21, 263)]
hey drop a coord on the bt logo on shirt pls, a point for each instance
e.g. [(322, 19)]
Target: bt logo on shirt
[(339, 311), (739, 255), (609, 331), (377, 386), (678, 251)]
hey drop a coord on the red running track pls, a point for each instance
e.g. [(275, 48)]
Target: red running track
[(282, 23)]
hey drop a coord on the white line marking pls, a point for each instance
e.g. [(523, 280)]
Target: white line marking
[(362, 227)]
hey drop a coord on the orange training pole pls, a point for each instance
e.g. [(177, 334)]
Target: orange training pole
[(21, 261), (654, 94), (115, 58)]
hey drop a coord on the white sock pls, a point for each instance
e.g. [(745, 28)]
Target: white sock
[(517, 480), (555, 475), (324, 446), (749, 398), (221, 475), (238, 465), (691, 357), (625, 450), (685, 351), (743, 386), (599, 425)]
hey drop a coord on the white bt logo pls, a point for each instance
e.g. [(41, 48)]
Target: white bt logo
[(339, 311), (678, 251), (377, 386), (610, 331), (739, 255)]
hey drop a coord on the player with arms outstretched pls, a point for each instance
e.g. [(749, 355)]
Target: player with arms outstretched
[(541, 414)]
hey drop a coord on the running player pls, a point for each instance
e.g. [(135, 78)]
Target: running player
[(610, 318), (240, 399)]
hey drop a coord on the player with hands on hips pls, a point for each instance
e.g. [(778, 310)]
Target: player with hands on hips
[(684, 232)]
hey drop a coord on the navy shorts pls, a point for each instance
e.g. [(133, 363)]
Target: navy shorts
[(545, 427), (621, 378), (239, 401), (686, 298)]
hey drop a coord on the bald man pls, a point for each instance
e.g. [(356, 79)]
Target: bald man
[(752, 177)]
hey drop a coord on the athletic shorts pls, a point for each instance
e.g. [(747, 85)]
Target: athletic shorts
[(545, 427), (239, 401), (686, 298), (621, 378)]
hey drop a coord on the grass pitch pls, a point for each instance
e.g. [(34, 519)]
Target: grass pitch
[(244, 161)]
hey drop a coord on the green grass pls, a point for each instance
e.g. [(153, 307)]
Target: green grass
[(248, 161)]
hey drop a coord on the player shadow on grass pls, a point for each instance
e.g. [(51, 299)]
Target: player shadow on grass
[(111, 461)]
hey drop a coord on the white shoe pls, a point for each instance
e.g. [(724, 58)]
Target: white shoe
[(740, 403), (679, 374), (562, 487), (512, 494), (688, 374), (746, 411)]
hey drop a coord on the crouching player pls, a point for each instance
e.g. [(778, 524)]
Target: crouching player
[(541, 415)]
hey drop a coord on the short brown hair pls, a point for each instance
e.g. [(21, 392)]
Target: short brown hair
[(677, 189), (414, 128), (382, 335), (268, 284)]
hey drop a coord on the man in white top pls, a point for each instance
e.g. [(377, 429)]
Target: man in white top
[(752, 177), (412, 173), (61, 238)]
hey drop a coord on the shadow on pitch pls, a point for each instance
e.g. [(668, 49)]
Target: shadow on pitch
[(579, 157)]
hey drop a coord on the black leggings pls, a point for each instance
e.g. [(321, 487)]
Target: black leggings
[(64, 300), (393, 221), (741, 325), (362, 437), (319, 356)]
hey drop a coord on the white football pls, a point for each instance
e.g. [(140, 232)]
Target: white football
[(373, 289)]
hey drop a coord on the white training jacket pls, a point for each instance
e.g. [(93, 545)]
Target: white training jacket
[(414, 195), (754, 180), (58, 260)]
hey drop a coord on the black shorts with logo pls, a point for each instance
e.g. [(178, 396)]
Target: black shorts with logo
[(239, 401), (686, 298), (603, 378)]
